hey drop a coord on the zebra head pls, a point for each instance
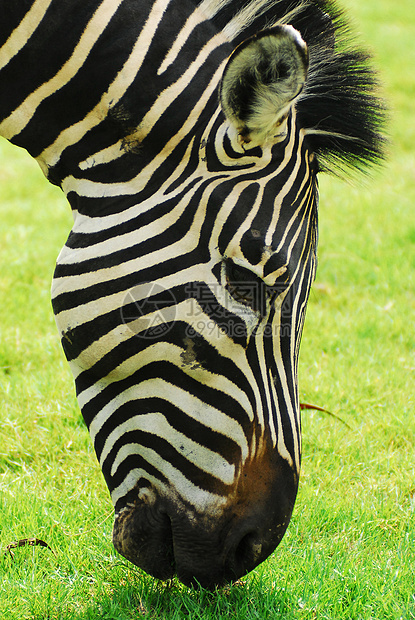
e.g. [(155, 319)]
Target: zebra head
[(191, 166)]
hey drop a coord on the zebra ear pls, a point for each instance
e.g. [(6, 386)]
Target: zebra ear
[(261, 80)]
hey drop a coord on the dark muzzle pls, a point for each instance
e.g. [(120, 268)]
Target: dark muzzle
[(167, 538)]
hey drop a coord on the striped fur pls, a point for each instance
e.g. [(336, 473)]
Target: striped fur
[(180, 294)]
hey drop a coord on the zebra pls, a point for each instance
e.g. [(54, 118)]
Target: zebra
[(187, 136)]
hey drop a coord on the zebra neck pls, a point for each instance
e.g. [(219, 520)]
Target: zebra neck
[(138, 107)]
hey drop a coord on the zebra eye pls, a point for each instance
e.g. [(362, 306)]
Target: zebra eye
[(245, 287)]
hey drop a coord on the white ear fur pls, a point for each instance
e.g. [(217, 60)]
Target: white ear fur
[(262, 79)]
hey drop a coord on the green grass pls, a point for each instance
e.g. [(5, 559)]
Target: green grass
[(349, 552)]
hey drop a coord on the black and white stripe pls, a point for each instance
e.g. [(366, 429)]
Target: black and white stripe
[(180, 294)]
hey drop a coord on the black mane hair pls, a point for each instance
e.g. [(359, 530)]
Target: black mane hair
[(339, 108)]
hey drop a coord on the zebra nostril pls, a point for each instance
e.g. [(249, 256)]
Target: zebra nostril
[(246, 554), (145, 537), (167, 538)]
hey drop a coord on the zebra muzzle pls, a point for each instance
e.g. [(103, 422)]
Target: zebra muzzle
[(169, 538)]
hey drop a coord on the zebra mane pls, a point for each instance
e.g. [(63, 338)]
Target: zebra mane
[(339, 108)]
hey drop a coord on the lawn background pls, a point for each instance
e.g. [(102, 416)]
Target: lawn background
[(350, 549)]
